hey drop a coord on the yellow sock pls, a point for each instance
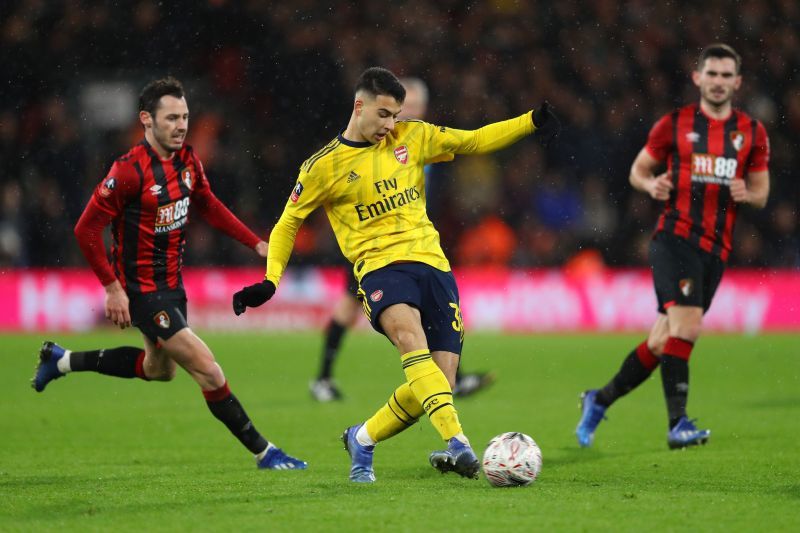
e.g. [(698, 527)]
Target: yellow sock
[(400, 412), (429, 385)]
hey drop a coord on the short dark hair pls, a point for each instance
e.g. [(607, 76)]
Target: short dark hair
[(378, 80), (153, 91), (719, 50)]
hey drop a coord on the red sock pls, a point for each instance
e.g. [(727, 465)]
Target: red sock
[(646, 356), (677, 347), (217, 395)]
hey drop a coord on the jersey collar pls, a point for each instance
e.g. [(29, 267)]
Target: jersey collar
[(152, 151), (353, 144)]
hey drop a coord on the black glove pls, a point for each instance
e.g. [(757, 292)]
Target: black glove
[(547, 124), (252, 296)]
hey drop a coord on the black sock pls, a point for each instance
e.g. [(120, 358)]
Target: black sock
[(675, 378), (635, 369), (227, 409), (124, 362), (333, 339)]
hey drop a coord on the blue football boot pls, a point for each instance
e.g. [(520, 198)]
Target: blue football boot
[(360, 456), (685, 433), (47, 367), (591, 415), (458, 458), (277, 459)]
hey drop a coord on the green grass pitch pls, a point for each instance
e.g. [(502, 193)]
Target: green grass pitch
[(96, 453)]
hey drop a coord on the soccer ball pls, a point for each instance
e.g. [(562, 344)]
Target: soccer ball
[(512, 460)]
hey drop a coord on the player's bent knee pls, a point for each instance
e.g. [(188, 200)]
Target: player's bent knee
[(689, 332), (408, 339), (165, 374), (158, 367), (656, 344), (169, 373), (217, 376), (209, 374)]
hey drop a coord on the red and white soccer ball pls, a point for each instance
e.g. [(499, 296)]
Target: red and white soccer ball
[(512, 460)]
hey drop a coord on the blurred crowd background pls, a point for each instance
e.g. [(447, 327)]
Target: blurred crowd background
[(270, 83)]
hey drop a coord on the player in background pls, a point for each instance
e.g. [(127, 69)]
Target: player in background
[(716, 159), (147, 198), (370, 180), (348, 308)]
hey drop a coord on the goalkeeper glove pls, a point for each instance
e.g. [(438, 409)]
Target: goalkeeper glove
[(252, 296), (547, 124)]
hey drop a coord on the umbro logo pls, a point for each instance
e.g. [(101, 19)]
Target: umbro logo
[(352, 177), (692, 136), (155, 189)]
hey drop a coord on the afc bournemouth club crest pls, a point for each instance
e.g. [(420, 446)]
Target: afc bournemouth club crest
[(187, 178), (686, 286), (737, 140), (296, 192), (401, 154), (108, 187), (162, 320), (376, 296)]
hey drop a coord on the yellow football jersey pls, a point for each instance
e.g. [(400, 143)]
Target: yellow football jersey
[(374, 194)]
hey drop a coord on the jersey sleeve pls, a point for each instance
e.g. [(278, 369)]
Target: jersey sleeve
[(309, 193), (659, 141), (89, 233), (121, 184), (108, 200), (440, 142), (759, 155)]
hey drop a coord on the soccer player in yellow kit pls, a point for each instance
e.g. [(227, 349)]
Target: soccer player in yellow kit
[(348, 307), (370, 181)]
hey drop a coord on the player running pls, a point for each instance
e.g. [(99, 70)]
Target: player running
[(371, 183), (147, 197), (348, 307), (716, 159)]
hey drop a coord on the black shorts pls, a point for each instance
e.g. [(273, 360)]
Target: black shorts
[(428, 289), (683, 274), (159, 314)]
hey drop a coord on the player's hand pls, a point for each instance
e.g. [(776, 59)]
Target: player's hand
[(739, 191), (252, 296), (660, 187), (117, 305), (262, 248), (547, 124)]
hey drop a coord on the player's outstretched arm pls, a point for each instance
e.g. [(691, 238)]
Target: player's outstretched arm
[(541, 122), (278, 253), (307, 194), (220, 217)]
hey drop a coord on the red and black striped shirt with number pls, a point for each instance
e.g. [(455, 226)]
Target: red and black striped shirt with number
[(147, 200), (703, 156)]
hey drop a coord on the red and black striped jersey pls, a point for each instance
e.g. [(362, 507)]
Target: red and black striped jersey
[(147, 200), (703, 156)]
